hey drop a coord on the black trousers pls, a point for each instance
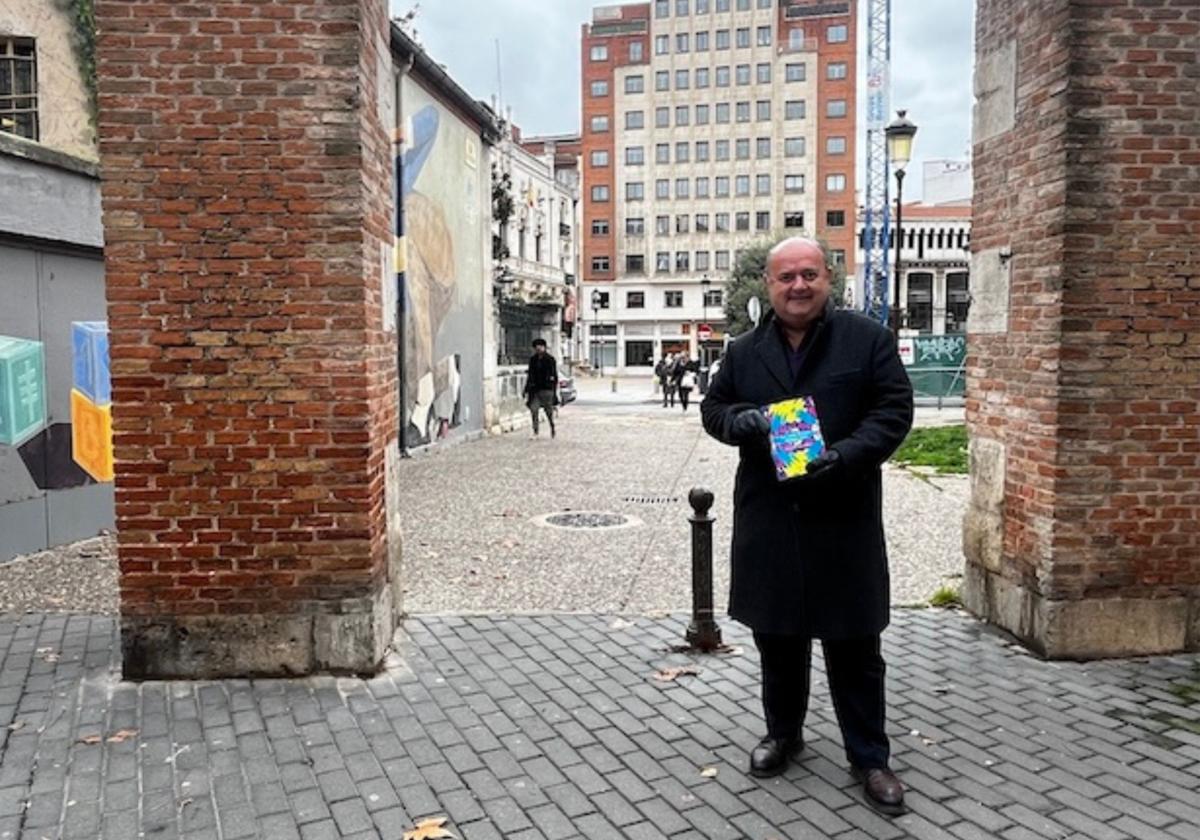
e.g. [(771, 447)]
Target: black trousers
[(856, 683)]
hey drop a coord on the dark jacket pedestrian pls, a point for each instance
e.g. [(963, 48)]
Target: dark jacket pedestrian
[(665, 371), (541, 385), (808, 556)]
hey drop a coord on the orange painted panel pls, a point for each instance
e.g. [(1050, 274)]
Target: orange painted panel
[(91, 437)]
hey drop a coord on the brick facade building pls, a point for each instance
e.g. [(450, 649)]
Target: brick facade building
[(1083, 535)]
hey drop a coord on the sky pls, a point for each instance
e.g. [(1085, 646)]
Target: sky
[(932, 58)]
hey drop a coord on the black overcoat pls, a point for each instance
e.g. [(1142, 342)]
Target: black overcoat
[(808, 555)]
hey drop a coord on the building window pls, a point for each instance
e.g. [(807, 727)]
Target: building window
[(741, 221), (682, 222), (793, 147), (793, 220), (682, 112), (920, 301), (639, 353), (662, 80), (723, 76), (721, 223), (835, 145), (958, 301), (600, 192), (837, 256), (722, 116), (701, 41), (836, 108), (722, 149), (635, 226), (795, 39), (681, 80), (741, 185), (601, 298), (662, 225), (743, 37), (835, 183), (701, 77), (742, 148), (635, 84), (681, 42), (637, 51), (721, 260), (600, 226), (635, 263), (837, 34), (701, 151), (762, 184), (18, 88), (634, 120), (835, 70), (743, 5), (764, 36), (701, 7), (673, 299), (793, 183), (762, 221), (764, 74), (722, 39), (662, 117), (702, 187), (682, 151), (741, 74), (763, 110), (764, 4), (600, 157), (722, 5), (701, 223), (662, 262), (662, 8), (714, 298), (662, 189), (599, 123), (662, 153), (794, 73), (600, 88), (793, 109), (635, 155), (743, 112), (835, 218), (681, 8), (702, 261), (600, 264), (599, 52), (762, 147), (662, 44), (635, 191), (636, 300), (721, 186), (701, 115), (682, 187)]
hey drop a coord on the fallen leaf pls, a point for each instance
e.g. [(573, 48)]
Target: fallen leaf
[(672, 674), (121, 736), (15, 725), (91, 739), (709, 772), (428, 829)]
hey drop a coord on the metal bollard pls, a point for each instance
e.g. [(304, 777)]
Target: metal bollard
[(703, 633)]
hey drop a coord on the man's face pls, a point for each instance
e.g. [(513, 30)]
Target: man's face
[(539, 349), (798, 284)]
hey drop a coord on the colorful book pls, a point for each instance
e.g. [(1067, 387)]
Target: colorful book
[(796, 438)]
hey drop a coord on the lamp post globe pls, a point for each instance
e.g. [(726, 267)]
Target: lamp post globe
[(900, 133)]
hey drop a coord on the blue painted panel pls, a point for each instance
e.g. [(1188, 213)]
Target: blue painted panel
[(89, 341)]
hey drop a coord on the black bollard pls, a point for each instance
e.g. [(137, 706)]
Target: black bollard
[(703, 633)]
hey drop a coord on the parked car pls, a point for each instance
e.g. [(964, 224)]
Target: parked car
[(566, 389)]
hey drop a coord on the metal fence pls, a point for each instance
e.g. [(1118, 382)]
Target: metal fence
[(936, 365)]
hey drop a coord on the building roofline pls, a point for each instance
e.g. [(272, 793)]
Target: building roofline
[(405, 48), (18, 147)]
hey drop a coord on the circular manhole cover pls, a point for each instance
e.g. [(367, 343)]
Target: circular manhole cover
[(587, 520)]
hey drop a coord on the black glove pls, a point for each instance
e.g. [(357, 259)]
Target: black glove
[(826, 464), (748, 424)]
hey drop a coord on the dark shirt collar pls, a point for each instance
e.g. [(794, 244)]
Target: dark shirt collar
[(795, 356)]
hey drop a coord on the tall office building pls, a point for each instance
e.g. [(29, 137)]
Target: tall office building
[(707, 125)]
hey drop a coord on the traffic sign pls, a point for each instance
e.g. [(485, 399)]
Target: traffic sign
[(704, 332)]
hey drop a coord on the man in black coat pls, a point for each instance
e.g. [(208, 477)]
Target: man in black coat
[(809, 559), (541, 385)]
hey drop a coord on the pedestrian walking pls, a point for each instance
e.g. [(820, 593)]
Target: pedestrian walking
[(664, 370), (687, 381), (808, 557), (541, 385)]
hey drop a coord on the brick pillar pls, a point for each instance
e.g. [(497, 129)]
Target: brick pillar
[(1083, 385), (247, 212)]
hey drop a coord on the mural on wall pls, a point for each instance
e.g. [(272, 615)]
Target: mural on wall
[(444, 239), (91, 400), (22, 389)]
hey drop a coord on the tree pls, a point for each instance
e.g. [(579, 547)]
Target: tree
[(747, 281), (503, 207)]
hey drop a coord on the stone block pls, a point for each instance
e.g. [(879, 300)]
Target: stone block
[(990, 282), (995, 92)]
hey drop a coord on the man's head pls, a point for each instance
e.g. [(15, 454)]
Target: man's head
[(539, 346), (798, 281)]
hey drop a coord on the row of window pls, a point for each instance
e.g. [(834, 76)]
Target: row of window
[(672, 299), (719, 114), (635, 264), (720, 76), (686, 42), (717, 187), (662, 8), (636, 225), (793, 147)]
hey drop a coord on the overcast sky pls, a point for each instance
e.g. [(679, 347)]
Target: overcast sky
[(932, 56)]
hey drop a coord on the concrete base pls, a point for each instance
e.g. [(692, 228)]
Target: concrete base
[(354, 641), (1087, 629)]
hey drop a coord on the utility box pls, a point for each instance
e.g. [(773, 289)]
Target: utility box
[(22, 389), (89, 340)]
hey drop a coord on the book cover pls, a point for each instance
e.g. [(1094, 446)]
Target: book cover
[(796, 438)]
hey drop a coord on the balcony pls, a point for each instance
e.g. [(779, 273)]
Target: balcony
[(529, 270), (564, 230)]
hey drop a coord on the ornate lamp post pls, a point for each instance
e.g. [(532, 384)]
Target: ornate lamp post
[(596, 349), (900, 133)]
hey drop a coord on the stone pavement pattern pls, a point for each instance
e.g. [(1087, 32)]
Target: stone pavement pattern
[(552, 727)]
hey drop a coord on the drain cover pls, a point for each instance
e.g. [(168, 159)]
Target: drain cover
[(587, 520)]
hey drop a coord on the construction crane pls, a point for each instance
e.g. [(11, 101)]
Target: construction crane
[(877, 222)]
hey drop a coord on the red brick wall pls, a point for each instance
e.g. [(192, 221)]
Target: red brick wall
[(1095, 387), (246, 191)]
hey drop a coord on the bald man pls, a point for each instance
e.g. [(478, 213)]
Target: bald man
[(809, 558)]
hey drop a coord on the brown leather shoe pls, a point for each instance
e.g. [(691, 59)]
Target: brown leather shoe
[(883, 791), (770, 757)]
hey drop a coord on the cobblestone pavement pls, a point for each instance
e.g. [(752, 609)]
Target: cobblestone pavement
[(553, 727)]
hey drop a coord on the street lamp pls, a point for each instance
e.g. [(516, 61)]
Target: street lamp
[(900, 133), (596, 349), (705, 283)]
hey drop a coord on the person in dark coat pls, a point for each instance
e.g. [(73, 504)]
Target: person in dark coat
[(541, 385), (808, 557)]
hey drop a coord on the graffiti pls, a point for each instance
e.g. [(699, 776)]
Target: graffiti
[(22, 389), (948, 349), (91, 400)]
